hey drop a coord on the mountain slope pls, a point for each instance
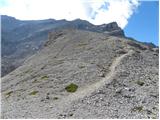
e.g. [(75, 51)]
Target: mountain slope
[(116, 78), (21, 39)]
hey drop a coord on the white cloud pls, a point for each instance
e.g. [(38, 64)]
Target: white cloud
[(95, 11)]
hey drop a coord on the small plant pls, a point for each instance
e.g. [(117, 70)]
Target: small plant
[(154, 108), (141, 83), (71, 114), (33, 93), (82, 44), (44, 77), (154, 118), (138, 108), (55, 98), (35, 81), (71, 88), (9, 93)]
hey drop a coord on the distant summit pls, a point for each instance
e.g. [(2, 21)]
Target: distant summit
[(58, 24)]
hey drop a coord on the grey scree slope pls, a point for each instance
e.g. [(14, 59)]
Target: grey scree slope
[(116, 78)]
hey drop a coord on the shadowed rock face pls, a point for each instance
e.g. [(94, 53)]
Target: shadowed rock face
[(21, 39), (109, 76)]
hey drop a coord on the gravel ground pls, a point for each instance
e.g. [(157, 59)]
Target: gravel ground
[(116, 78)]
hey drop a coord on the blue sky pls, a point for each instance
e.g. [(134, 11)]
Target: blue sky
[(143, 24)]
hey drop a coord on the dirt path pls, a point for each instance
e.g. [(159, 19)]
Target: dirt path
[(87, 90)]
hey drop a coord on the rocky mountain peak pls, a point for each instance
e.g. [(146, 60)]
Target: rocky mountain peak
[(110, 26)]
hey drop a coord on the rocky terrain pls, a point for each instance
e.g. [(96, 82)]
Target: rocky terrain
[(21, 39), (84, 74)]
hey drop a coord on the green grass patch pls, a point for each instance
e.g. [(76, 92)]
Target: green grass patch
[(33, 93), (138, 108), (71, 88), (44, 77), (9, 93), (141, 83), (55, 98), (82, 44)]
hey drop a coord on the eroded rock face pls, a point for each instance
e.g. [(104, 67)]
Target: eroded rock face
[(111, 26), (114, 78), (112, 29)]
